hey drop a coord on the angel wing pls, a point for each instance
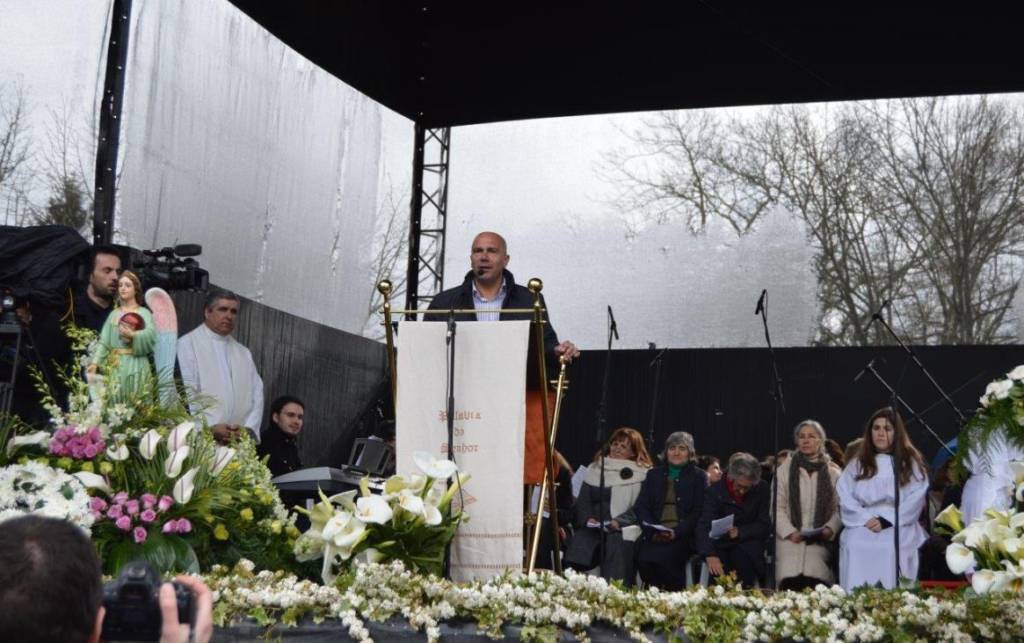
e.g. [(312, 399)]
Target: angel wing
[(165, 350)]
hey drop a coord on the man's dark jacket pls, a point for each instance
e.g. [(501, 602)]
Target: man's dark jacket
[(751, 517), (517, 297), (282, 448)]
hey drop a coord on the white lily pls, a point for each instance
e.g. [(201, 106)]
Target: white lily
[(93, 481), (410, 502), (148, 444), (222, 455), (431, 515), (174, 462), (1010, 580), (176, 439), (34, 438), (345, 499), (343, 531), (309, 546), (373, 509), (185, 486), (331, 558), (959, 558), (1017, 374), (983, 579), (973, 535), (117, 452), (1017, 521), (393, 485), (433, 467), (1012, 547), (369, 555)]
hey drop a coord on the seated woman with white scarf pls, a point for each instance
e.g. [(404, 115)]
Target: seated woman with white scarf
[(625, 462)]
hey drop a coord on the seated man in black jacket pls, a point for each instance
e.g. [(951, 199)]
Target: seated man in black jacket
[(280, 439), (742, 494)]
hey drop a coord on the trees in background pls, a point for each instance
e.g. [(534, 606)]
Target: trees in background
[(915, 201)]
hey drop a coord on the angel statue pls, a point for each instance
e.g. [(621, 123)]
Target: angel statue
[(133, 333)]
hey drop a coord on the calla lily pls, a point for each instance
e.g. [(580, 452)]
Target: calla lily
[(184, 486), (369, 555), (1017, 521), (432, 467), (345, 499), (148, 444), (34, 438), (222, 455), (1010, 580), (959, 559), (951, 518), (1017, 373), (331, 559), (93, 481), (174, 462), (344, 532), (431, 515), (393, 485), (410, 502), (1019, 494), (1012, 547), (309, 546), (179, 434), (117, 452), (373, 509), (983, 579), (460, 481)]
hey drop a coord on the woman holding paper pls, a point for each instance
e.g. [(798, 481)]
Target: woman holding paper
[(867, 500), (742, 499), (624, 462), (668, 507), (806, 510)]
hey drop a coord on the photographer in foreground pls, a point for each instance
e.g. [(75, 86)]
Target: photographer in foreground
[(50, 587)]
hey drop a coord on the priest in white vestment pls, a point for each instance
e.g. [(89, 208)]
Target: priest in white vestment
[(221, 371)]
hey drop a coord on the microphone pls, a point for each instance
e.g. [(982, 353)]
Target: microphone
[(615, 327), (760, 302), (878, 314), (867, 368)]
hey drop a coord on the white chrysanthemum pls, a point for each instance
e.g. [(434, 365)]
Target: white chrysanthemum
[(42, 490)]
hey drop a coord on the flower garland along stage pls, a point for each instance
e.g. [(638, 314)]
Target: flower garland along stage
[(543, 605)]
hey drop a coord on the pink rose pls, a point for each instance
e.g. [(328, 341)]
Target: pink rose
[(140, 534), (97, 503), (169, 527), (116, 511), (148, 515), (148, 500), (184, 526), (124, 523), (55, 447), (132, 506), (120, 497), (90, 451), (165, 503)]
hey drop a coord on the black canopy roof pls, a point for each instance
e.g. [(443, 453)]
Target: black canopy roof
[(456, 63)]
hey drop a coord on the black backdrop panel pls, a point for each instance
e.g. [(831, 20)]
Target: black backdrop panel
[(722, 395)]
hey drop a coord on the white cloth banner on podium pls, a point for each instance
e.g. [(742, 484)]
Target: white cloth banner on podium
[(490, 419)]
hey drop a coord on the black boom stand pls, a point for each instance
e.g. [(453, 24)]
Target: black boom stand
[(780, 412), (450, 364), (602, 434)]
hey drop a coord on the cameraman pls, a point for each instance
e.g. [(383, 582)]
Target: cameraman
[(91, 305), (50, 587)]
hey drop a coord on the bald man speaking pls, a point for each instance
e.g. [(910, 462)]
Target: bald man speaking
[(489, 288)]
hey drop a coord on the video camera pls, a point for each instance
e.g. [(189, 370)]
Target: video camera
[(171, 268), (132, 604)]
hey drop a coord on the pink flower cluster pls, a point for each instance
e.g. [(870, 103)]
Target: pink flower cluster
[(135, 514), (67, 441)]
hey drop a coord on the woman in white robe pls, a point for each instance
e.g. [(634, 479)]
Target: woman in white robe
[(866, 493)]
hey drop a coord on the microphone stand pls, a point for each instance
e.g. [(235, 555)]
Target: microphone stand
[(602, 430), (450, 341), (780, 411), (656, 362)]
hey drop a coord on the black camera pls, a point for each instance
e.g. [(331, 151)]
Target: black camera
[(132, 603), (171, 268)]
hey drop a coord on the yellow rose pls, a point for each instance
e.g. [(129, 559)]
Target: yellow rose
[(246, 514), (220, 532), (65, 462), (106, 468), (275, 526), (233, 466), (292, 531), (208, 518), (87, 466)]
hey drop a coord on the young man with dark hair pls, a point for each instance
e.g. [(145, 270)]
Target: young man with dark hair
[(280, 439), (50, 588), (92, 303)]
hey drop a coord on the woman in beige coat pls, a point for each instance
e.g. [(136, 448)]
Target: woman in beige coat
[(806, 510)]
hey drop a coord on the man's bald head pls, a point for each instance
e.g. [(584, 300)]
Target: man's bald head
[(488, 258)]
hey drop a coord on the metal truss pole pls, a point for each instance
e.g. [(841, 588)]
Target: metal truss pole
[(428, 216), (110, 123)]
